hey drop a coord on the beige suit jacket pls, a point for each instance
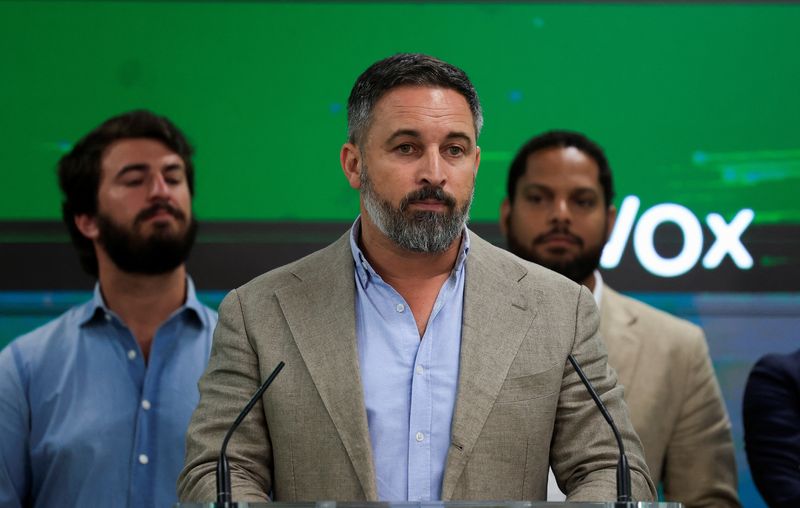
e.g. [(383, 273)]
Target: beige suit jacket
[(519, 407), (674, 400)]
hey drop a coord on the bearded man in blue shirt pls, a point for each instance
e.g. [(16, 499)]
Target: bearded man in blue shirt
[(96, 403)]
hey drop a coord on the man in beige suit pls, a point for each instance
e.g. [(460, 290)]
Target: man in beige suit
[(558, 213), (422, 363)]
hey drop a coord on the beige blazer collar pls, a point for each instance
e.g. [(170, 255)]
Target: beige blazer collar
[(617, 329), (320, 312), (497, 316)]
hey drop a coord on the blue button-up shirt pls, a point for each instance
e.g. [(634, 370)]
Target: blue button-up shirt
[(85, 422), (410, 384)]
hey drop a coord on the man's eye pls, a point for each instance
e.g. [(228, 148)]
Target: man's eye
[(535, 198), (455, 150), (133, 183), (173, 180), (585, 203), (405, 149)]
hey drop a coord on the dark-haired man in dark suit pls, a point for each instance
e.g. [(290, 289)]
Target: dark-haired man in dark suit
[(772, 428)]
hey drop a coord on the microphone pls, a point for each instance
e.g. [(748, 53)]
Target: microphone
[(223, 470), (623, 469)]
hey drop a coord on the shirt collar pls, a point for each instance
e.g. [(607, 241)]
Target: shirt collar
[(364, 270), (193, 304), (598, 288), (97, 308)]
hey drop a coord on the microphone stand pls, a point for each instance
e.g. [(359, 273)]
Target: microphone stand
[(624, 497), (223, 469)]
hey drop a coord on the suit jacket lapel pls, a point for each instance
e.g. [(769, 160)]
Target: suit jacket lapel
[(497, 317), (320, 312), (616, 328)]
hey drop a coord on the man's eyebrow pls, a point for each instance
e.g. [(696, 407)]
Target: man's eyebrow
[(545, 188), (460, 135), (536, 186), (591, 190), (403, 132), (416, 134)]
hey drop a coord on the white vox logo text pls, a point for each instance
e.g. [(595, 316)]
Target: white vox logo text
[(728, 238)]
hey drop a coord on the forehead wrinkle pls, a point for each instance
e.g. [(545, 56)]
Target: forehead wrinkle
[(444, 113), (396, 103), (439, 103), (424, 124), (433, 113), (412, 118)]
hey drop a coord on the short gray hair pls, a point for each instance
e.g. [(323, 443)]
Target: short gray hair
[(405, 69)]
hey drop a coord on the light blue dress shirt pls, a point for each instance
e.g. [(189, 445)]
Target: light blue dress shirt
[(410, 385), (85, 422)]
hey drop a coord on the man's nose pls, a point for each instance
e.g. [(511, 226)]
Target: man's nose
[(432, 171), (159, 188), (560, 212)]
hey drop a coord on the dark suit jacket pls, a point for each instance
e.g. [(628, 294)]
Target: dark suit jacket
[(519, 407), (772, 428)]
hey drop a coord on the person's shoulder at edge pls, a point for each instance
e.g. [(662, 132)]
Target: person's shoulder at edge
[(51, 339), (780, 361), (317, 263)]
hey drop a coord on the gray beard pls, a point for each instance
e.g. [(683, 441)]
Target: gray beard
[(423, 231)]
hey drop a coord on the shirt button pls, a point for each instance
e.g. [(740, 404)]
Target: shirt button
[(420, 370), (107, 317), (143, 459), (420, 436), (400, 307), (131, 354), (145, 404)]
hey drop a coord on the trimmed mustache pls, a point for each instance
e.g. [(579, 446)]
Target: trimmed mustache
[(557, 232), (428, 193), (157, 207)]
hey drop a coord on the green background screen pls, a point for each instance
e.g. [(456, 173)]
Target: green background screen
[(695, 104)]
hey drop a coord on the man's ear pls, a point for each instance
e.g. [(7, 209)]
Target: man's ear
[(477, 160), (87, 225), (611, 219), (350, 159), (505, 216)]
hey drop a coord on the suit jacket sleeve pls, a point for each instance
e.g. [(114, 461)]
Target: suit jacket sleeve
[(700, 468), (583, 451), (232, 377), (772, 428)]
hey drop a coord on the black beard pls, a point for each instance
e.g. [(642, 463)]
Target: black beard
[(160, 253), (577, 270)]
